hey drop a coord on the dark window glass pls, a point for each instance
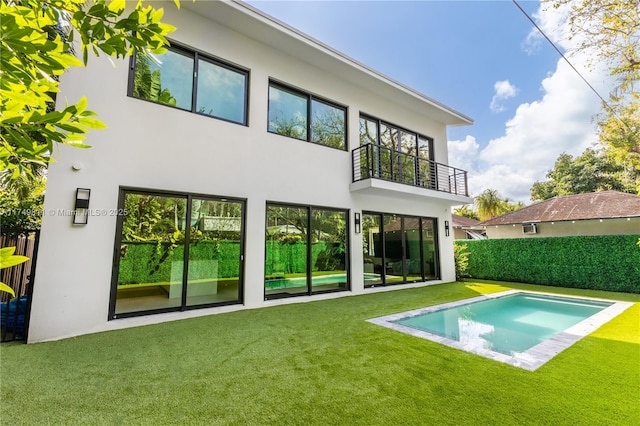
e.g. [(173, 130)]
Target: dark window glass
[(168, 78), (394, 154), (329, 248), (405, 250), (393, 253), (328, 125), (429, 248), (412, 249), (155, 234), (287, 113), (221, 92), (302, 116), (214, 252), (372, 249), (286, 251), (306, 251)]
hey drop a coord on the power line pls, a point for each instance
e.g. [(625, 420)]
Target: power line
[(564, 57)]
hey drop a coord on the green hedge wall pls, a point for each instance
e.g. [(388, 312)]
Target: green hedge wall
[(291, 258), (602, 262), (143, 263)]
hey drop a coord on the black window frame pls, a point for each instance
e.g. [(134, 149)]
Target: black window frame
[(379, 122), (188, 196), (309, 266), (310, 97), (197, 55), (436, 237)]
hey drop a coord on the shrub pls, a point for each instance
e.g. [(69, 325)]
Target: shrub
[(599, 262)]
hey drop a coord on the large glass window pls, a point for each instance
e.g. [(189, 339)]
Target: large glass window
[(158, 235), (306, 250), (398, 249), (191, 81), (392, 153), (303, 116)]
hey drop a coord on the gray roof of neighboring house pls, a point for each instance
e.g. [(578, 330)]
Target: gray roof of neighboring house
[(460, 221), (594, 205)]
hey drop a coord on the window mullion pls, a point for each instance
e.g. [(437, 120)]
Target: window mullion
[(185, 257), (194, 91), (309, 251), (309, 112)]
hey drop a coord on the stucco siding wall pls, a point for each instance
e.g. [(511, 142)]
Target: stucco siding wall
[(152, 146)]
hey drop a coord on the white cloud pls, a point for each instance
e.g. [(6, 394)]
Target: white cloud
[(540, 130), (504, 90), (462, 154)]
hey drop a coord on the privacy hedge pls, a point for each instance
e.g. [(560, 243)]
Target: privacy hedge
[(143, 263), (602, 262)]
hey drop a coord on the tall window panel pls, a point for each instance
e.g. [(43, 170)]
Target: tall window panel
[(392, 153), (306, 117), (372, 249), (191, 81), (398, 249), (306, 250), (287, 250), (176, 252)]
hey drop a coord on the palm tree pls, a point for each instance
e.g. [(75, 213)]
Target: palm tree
[(489, 204)]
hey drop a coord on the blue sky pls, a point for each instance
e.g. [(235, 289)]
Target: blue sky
[(481, 58)]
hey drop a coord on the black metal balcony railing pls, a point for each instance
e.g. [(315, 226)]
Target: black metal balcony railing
[(379, 162)]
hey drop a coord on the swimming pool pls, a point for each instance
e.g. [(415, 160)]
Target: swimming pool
[(523, 329)]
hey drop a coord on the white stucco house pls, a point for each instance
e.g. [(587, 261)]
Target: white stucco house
[(249, 166)]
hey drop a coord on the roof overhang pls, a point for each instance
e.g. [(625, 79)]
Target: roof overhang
[(247, 20)]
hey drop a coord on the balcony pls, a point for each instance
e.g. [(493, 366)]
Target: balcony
[(378, 162)]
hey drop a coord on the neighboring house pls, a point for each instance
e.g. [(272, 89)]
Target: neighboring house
[(249, 166), (597, 213), (465, 228)]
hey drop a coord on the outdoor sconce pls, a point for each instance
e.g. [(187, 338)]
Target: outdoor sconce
[(446, 228), (81, 209), (356, 223)]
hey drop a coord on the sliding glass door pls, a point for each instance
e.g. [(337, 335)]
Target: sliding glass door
[(306, 250), (176, 252), (398, 249)]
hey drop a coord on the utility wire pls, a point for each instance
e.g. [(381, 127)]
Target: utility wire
[(565, 58)]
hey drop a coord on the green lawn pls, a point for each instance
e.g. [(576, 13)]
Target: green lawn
[(319, 363)]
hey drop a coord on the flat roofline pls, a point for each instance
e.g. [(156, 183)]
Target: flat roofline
[(274, 27)]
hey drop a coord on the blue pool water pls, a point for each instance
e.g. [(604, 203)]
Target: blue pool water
[(510, 324)]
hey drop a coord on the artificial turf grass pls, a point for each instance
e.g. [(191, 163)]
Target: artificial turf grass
[(319, 363)]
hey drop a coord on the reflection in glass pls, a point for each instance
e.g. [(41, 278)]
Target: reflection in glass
[(168, 81), (151, 260), (406, 250), (286, 250), (429, 248), (329, 249), (327, 125), (214, 252), (370, 156), (394, 265), (287, 113), (372, 249), (412, 248), (221, 92)]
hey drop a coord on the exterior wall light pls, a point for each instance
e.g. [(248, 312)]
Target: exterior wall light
[(446, 228), (356, 223), (81, 209)]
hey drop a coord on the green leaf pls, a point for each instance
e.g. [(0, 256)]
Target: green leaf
[(7, 289), (8, 259)]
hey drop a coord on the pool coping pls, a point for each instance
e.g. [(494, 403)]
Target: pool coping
[(531, 359)]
